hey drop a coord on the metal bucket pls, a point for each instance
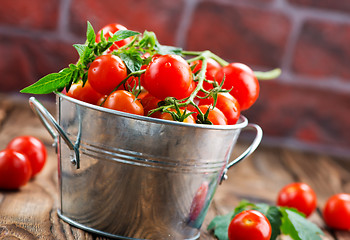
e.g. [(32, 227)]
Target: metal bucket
[(134, 177)]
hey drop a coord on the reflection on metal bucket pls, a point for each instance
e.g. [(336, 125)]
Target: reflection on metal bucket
[(135, 177)]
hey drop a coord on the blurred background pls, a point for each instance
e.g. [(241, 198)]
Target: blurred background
[(307, 108)]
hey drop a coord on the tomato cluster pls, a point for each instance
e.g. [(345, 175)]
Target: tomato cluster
[(168, 86), (336, 212), (251, 224), (23, 158)]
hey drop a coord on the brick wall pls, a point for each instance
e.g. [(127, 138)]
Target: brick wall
[(307, 107)]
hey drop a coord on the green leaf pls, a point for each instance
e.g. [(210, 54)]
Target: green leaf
[(149, 40), (90, 33), (132, 60), (298, 227), (163, 50), (122, 34), (81, 49), (50, 82), (274, 216), (220, 225)]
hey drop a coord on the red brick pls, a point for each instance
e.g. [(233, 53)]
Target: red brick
[(35, 14), (249, 35), (338, 5), (27, 60), (310, 115), (162, 17), (323, 50)]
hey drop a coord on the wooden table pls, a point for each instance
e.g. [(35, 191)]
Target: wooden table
[(30, 213)]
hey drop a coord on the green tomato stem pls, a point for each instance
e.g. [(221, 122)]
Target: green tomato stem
[(272, 74)]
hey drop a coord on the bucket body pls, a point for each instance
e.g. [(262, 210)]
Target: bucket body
[(138, 177)]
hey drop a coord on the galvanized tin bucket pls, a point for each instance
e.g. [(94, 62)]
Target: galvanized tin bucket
[(134, 177)]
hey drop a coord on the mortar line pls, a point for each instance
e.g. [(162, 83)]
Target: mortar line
[(185, 23)]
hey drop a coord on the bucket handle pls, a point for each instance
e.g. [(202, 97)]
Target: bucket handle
[(49, 121), (249, 150)]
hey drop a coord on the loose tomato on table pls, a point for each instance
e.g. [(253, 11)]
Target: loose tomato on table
[(227, 104), (299, 196), (15, 169), (241, 79), (108, 31), (33, 149), (84, 93), (124, 101), (336, 212), (106, 72), (249, 225), (168, 76)]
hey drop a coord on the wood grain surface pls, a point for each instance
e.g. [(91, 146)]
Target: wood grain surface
[(31, 212)]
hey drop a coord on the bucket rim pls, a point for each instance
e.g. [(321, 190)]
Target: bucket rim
[(241, 123)]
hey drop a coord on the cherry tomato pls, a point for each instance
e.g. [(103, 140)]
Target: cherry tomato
[(216, 117), (299, 196), (249, 225), (15, 169), (124, 101), (227, 104), (167, 116), (33, 149), (212, 68), (241, 79), (106, 72), (168, 76), (108, 31), (85, 94), (336, 212), (149, 102)]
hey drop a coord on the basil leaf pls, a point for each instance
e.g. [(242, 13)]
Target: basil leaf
[(274, 216), (81, 49), (90, 33), (122, 34), (163, 50), (132, 60), (50, 82), (298, 227), (220, 225)]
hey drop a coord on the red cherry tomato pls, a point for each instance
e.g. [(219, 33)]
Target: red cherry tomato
[(336, 212), (167, 116), (227, 104), (299, 196), (33, 149), (85, 94), (149, 102), (168, 76), (15, 169), (124, 101), (216, 117), (212, 68), (106, 72), (249, 225), (108, 31), (241, 79)]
